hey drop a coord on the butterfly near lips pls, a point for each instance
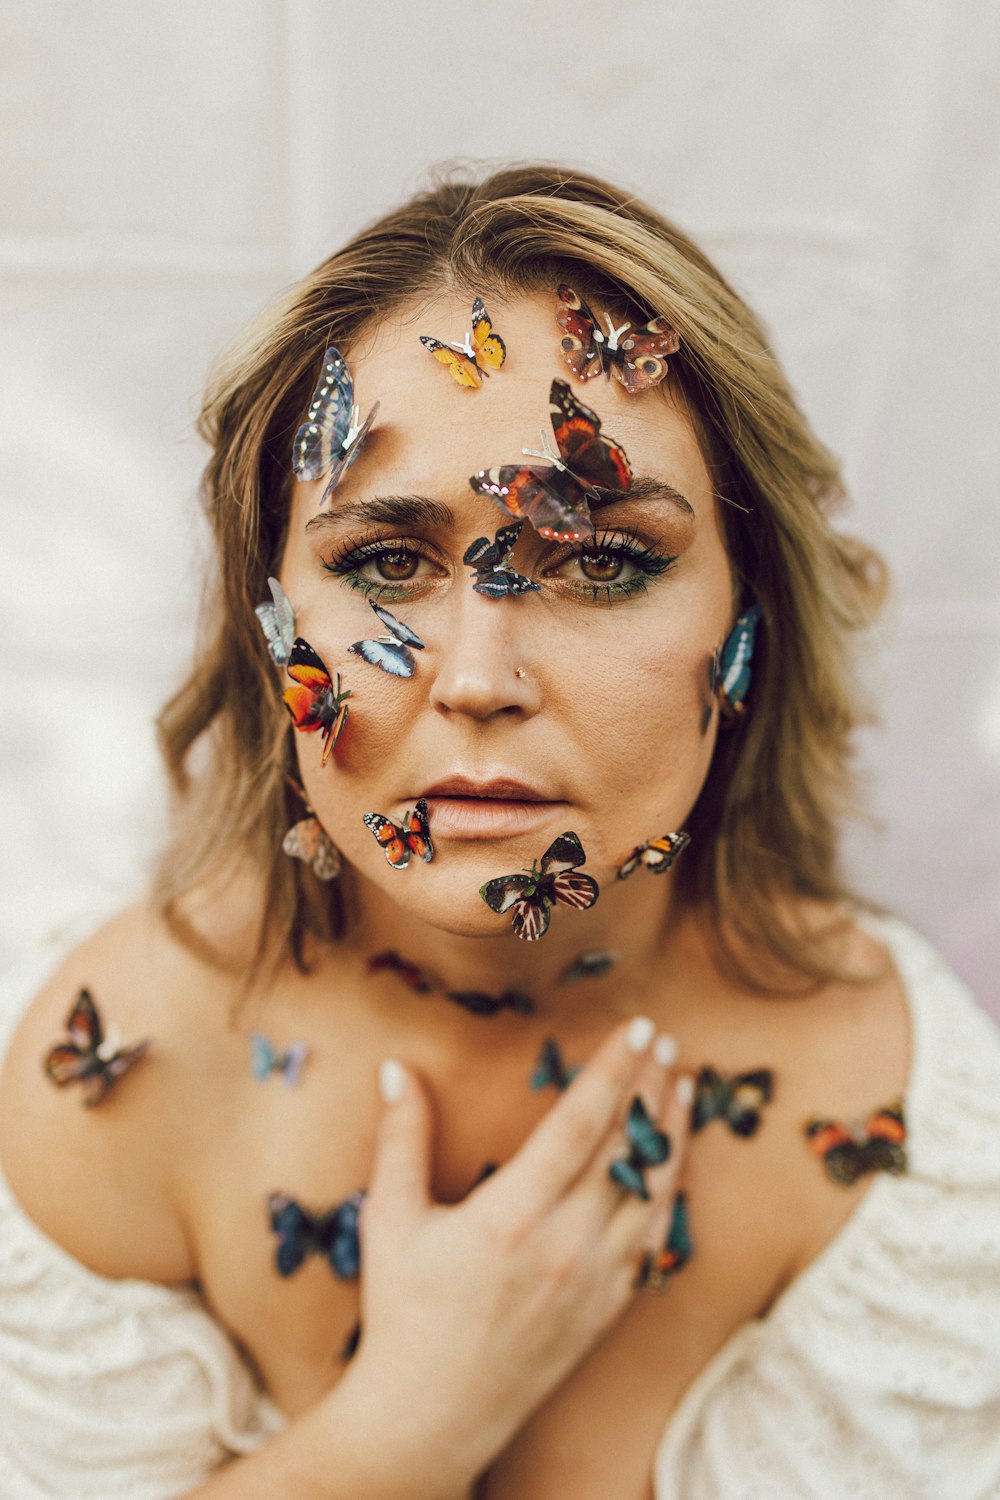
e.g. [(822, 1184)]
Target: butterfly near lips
[(399, 840), (655, 854), (494, 576), (481, 351), (636, 357), (555, 497), (88, 1057), (316, 702), (391, 650), (331, 436), (530, 895)]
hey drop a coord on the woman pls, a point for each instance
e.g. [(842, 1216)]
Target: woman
[(582, 782)]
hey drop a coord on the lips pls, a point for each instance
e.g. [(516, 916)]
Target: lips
[(498, 788), (501, 807)]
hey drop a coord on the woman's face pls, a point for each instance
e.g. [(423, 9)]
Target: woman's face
[(583, 706)]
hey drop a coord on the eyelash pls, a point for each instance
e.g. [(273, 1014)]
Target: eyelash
[(347, 561)]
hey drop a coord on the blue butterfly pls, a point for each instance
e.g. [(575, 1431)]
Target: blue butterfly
[(277, 620), (494, 577), (731, 664), (266, 1059), (330, 438), (647, 1148), (592, 965), (550, 1070), (390, 652), (736, 1098), (656, 1269), (334, 1235), (480, 1003)]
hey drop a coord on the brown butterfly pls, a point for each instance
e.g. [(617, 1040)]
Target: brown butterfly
[(88, 1057), (637, 358)]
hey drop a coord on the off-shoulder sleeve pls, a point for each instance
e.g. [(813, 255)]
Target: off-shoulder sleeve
[(108, 1388), (877, 1373)]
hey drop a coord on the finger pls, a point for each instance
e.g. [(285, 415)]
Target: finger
[(635, 1222), (563, 1144), (399, 1183)]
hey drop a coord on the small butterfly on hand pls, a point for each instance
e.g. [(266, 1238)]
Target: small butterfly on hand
[(555, 498), (481, 351), (480, 1003), (550, 1070), (656, 1269), (851, 1151), (309, 841), (390, 651), (731, 665), (400, 840), (331, 437), (89, 1057), (266, 1058), (737, 1099), (655, 854), (494, 577), (333, 1235), (648, 1146), (277, 620), (418, 979), (317, 703), (531, 894), (636, 358), (592, 965)]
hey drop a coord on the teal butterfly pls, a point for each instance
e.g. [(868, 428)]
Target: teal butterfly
[(648, 1147)]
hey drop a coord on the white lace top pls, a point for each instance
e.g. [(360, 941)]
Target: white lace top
[(875, 1376)]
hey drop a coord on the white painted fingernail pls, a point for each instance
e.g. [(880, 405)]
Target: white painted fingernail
[(639, 1034), (664, 1049), (685, 1089), (391, 1078)]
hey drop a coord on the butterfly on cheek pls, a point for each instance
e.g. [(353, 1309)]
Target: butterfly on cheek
[(481, 351), (656, 855), (399, 840), (851, 1151), (331, 437), (636, 357), (530, 895), (316, 703), (88, 1057), (554, 497), (391, 650)]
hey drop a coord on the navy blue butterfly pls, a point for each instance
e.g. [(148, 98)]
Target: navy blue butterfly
[(333, 1235), (736, 1098), (481, 1003)]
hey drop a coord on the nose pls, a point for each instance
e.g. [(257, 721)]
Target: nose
[(485, 662)]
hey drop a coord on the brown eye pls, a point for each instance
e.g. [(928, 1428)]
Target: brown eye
[(601, 567), (397, 566)]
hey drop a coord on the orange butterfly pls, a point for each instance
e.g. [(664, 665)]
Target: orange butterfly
[(482, 350), (399, 840), (316, 703)]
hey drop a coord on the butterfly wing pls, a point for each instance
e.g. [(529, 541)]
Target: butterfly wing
[(491, 351), (531, 916), (391, 838), (581, 350), (308, 700), (502, 893), (842, 1156), (84, 1024), (747, 1094), (564, 853), (391, 656), (293, 1061), (649, 1144), (885, 1149), (417, 832), (640, 361), (100, 1082), (594, 459), (396, 627), (733, 675), (319, 442), (65, 1063), (478, 1002), (573, 889), (351, 451), (262, 1056), (344, 1244), (549, 1067), (659, 854), (592, 965), (710, 1096), (277, 620), (295, 1230), (552, 500), (629, 1176), (460, 367)]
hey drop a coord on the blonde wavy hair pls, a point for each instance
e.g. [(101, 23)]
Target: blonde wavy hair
[(765, 828)]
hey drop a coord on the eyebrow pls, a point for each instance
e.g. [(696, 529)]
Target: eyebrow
[(421, 513)]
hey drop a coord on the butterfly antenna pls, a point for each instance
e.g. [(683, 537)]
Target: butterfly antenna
[(545, 451), (614, 334)]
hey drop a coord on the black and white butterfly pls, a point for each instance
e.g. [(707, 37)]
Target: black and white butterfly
[(331, 436), (491, 560), (277, 620), (390, 651), (531, 894)]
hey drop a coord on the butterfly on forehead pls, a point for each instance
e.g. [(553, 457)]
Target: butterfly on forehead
[(390, 651), (636, 357), (850, 1151), (331, 436), (655, 854), (736, 1098), (481, 351), (277, 620), (316, 702), (647, 1145), (399, 840), (555, 497), (491, 560), (89, 1057), (332, 1235), (531, 894)]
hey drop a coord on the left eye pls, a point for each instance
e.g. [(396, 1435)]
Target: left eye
[(598, 565), (395, 567)]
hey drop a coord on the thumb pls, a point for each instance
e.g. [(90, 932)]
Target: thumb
[(400, 1177)]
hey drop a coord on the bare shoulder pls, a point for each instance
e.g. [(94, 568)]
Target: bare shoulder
[(102, 1181)]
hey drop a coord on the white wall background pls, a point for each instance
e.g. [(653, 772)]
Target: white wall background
[(168, 168)]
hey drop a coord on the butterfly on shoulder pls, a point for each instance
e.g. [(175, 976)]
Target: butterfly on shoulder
[(481, 351), (656, 1269), (555, 498), (331, 436), (277, 621), (391, 650), (648, 1147), (491, 560), (851, 1151), (418, 979), (332, 1235), (592, 965), (655, 854), (399, 840), (736, 1098), (550, 1070), (316, 702), (481, 1003), (636, 357), (731, 665), (88, 1056), (309, 841), (266, 1058), (531, 894)]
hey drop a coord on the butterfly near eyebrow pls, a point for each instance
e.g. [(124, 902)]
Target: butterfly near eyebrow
[(391, 650), (266, 1058), (657, 1268), (411, 974), (491, 560), (481, 351), (316, 703), (655, 854), (737, 1099), (647, 1145), (530, 895), (88, 1056), (550, 1070), (332, 1235), (399, 840), (731, 665), (555, 497), (636, 357), (277, 621), (851, 1151), (331, 437)]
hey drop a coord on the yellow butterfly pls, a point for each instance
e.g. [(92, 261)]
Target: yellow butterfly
[(482, 350)]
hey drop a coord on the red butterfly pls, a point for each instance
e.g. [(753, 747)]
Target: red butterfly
[(637, 360), (849, 1152), (554, 498), (532, 893), (418, 979), (316, 703), (88, 1057), (400, 841)]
